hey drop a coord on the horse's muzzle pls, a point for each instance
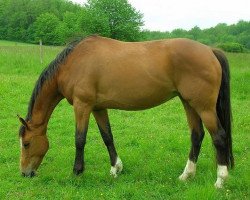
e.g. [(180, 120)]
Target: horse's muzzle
[(31, 174)]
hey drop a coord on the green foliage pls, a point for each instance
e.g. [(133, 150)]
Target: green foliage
[(180, 33), (48, 27), (92, 22), (230, 38), (155, 35), (56, 21), (17, 17), (231, 47), (70, 25), (196, 33), (153, 144), (123, 20), (244, 38), (23, 21)]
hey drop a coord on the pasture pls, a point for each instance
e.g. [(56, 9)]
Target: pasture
[(153, 144)]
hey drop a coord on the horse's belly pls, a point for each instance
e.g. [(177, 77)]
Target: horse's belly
[(134, 85), (134, 98)]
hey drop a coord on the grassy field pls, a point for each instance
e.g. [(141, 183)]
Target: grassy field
[(152, 144)]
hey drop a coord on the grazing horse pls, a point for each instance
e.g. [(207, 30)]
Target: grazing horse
[(97, 73)]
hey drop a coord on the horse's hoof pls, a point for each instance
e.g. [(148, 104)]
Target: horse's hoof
[(78, 170), (117, 168), (183, 177), (219, 183)]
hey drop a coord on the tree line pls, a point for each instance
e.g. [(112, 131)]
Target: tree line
[(56, 22), (232, 38)]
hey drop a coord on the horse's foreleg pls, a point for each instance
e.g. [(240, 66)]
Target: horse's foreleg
[(197, 134), (82, 113), (102, 121)]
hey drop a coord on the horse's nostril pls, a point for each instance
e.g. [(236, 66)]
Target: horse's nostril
[(32, 174), (23, 174)]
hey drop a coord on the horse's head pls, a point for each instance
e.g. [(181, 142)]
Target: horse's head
[(34, 145)]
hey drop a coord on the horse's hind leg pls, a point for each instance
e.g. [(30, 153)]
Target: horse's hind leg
[(219, 138), (197, 134), (102, 121)]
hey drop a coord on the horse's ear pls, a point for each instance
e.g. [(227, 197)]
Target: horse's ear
[(23, 122)]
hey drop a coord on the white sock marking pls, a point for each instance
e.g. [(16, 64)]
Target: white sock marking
[(189, 170), (222, 174), (117, 168)]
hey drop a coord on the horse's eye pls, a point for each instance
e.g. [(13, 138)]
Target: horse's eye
[(26, 145)]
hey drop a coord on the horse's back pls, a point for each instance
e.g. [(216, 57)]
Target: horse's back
[(132, 76), (138, 75)]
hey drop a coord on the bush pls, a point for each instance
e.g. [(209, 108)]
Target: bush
[(231, 47), (49, 29)]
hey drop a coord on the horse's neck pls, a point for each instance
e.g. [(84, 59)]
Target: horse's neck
[(45, 103)]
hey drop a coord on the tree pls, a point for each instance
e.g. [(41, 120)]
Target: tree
[(48, 28), (70, 25), (155, 35), (179, 33), (17, 17), (244, 39), (195, 32), (92, 22), (123, 20)]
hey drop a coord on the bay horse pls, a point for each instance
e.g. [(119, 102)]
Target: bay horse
[(98, 73)]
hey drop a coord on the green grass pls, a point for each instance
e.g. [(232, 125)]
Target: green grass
[(10, 43), (153, 144)]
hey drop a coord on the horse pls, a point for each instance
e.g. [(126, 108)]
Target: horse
[(98, 73)]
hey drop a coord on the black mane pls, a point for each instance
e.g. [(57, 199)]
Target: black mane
[(46, 75)]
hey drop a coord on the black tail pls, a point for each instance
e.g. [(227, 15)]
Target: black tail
[(223, 106)]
